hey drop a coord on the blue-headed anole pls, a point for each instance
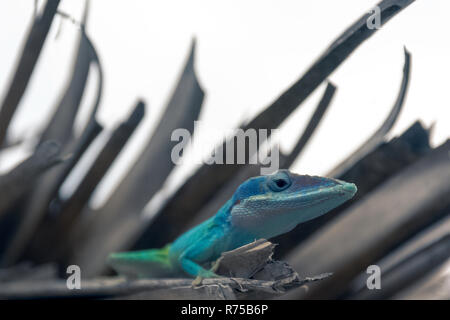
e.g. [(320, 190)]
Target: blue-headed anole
[(261, 207)]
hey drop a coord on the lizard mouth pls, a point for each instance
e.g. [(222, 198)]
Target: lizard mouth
[(342, 190), (347, 187)]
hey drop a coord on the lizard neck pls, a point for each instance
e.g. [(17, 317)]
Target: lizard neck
[(222, 216), (235, 236)]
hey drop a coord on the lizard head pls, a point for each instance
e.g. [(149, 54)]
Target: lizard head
[(267, 206)]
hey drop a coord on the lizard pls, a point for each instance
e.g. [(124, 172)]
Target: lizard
[(262, 207)]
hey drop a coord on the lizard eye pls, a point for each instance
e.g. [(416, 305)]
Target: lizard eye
[(279, 183)]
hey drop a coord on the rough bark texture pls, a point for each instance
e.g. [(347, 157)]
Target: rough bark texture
[(252, 274)]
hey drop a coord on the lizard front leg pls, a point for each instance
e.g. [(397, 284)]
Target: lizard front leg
[(188, 261), (194, 269)]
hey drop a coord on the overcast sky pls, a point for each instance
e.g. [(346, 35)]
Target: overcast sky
[(248, 52)]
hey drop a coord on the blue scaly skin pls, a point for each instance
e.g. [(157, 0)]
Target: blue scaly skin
[(261, 207)]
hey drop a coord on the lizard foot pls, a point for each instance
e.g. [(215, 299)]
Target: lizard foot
[(197, 281), (215, 265), (207, 274)]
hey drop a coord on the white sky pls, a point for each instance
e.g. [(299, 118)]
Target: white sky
[(248, 52)]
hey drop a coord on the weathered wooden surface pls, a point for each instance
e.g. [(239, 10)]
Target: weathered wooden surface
[(210, 289), (19, 180), (253, 275), (27, 62), (378, 136), (246, 261), (434, 286), (393, 212), (28, 273), (407, 264), (60, 125), (38, 202), (52, 241)]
